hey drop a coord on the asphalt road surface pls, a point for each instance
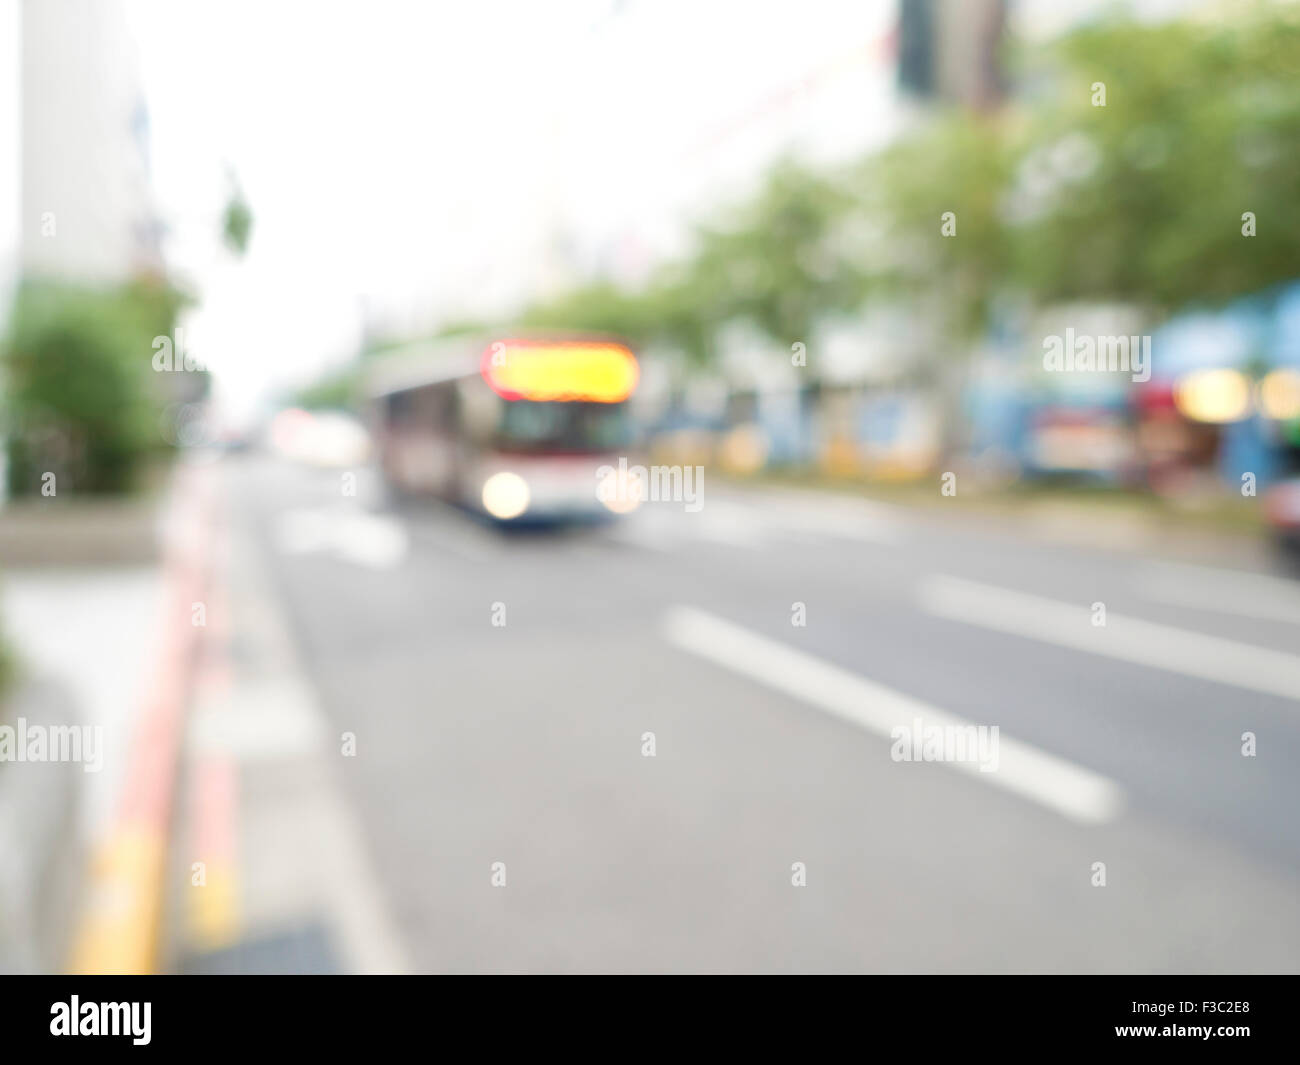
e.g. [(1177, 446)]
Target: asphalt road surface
[(501, 689)]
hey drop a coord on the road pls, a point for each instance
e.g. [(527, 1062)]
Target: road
[(501, 687)]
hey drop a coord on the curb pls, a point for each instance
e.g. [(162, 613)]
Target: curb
[(42, 845), (120, 930), (81, 532)]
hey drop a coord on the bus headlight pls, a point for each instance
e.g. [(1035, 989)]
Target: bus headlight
[(619, 491), (505, 495)]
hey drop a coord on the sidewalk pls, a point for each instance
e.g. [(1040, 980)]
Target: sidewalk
[(89, 619), (269, 871), (88, 631), (121, 924)]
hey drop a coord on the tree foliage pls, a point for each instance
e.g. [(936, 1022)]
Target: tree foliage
[(1054, 198), (237, 223), (81, 399)]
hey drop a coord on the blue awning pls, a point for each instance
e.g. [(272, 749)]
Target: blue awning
[(1265, 326)]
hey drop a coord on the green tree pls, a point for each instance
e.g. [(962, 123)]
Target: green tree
[(932, 207), (780, 262), (237, 221), (81, 399), (1142, 199)]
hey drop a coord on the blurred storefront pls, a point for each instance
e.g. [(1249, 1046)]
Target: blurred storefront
[(1224, 397)]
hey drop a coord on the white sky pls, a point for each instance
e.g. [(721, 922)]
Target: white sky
[(421, 159)]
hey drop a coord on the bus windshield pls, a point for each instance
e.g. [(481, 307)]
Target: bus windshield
[(571, 428)]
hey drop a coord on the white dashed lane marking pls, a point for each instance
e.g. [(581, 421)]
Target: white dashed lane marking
[(1128, 639), (1053, 782)]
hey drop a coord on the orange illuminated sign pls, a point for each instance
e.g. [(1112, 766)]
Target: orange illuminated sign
[(588, 371)]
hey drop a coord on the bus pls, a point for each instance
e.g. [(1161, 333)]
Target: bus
[(515, 428)]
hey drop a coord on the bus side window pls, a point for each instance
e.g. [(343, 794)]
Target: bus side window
[(453, 409), (478, 408), (398, 403), (439, 411)]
